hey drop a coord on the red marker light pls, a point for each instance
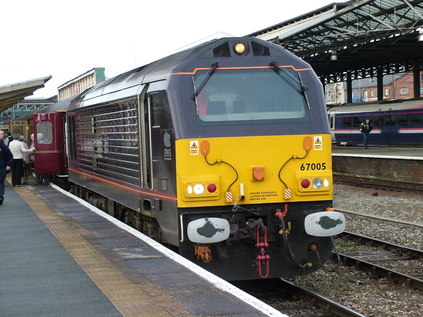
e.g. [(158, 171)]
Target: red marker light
[(211, 188), (305, 183)]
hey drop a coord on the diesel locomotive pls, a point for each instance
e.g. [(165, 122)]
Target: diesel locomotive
[(222, 151)]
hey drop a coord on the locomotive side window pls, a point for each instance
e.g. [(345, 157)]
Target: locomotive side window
[(44, 132), (157, 102), (159, 122), (247, 95)]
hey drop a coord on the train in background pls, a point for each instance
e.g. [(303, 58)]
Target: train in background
[(222, 151), (394, 123)]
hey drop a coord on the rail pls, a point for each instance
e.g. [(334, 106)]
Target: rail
[(409, 279), (330, 307)]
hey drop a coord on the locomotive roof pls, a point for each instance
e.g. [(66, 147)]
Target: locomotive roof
[(131, 81), (376, 107)]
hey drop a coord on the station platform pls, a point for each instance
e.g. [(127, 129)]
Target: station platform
[(379, 151), (400, 164), (59, 256)]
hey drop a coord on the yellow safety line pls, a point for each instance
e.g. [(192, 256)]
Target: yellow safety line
[(125, 295)]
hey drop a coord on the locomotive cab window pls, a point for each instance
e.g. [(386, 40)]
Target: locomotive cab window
[(44, 132), (249, 94)]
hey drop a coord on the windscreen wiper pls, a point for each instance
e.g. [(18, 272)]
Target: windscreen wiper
[(205, 80), (294, 80)]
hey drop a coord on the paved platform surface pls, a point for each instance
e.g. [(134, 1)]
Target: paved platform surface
[(37, 275), (59, 258)]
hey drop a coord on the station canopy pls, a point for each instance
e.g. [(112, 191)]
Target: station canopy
[(357, 37), (13, 93)]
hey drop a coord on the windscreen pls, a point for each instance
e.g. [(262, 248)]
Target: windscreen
[(250, 95)]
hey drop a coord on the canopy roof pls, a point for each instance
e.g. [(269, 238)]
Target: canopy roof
[(360, 36), (13, 93)]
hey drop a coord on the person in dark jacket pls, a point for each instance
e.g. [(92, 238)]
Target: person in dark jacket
[(6, 159), (365, 128)]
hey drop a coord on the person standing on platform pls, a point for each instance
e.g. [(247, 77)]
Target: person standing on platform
[(6, 160), (17, 148), (26, 167), (32, 160), (8, 139), (365, 128), (2, 136)]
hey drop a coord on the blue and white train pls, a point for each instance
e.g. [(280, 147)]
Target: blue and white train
[(394, 123)]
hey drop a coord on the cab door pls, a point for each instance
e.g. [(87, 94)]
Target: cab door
[(49, 143)]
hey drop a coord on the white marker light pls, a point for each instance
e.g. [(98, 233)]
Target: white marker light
[(199, 189)]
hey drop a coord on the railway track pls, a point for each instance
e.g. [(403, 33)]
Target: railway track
[(384, 259), (329, 306), (295, 300), (386, 219), (373, 182)]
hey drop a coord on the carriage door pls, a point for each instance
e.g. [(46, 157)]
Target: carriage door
[(332, 126), (49, 143), (390, 128)]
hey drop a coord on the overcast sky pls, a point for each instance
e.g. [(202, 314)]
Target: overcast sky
[(67, 38)]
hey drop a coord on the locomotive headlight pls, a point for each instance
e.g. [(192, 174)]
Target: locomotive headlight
[(199, 189), (317, 183), (240, 48)]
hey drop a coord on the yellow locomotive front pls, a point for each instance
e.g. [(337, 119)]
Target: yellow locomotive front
[(253, 170)]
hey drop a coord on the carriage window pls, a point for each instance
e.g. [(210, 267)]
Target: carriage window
[(376, 121), (250, 94), (390, 121), (347, 122), (402, 120), (416, 119), (357, 121), (44, 132)]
